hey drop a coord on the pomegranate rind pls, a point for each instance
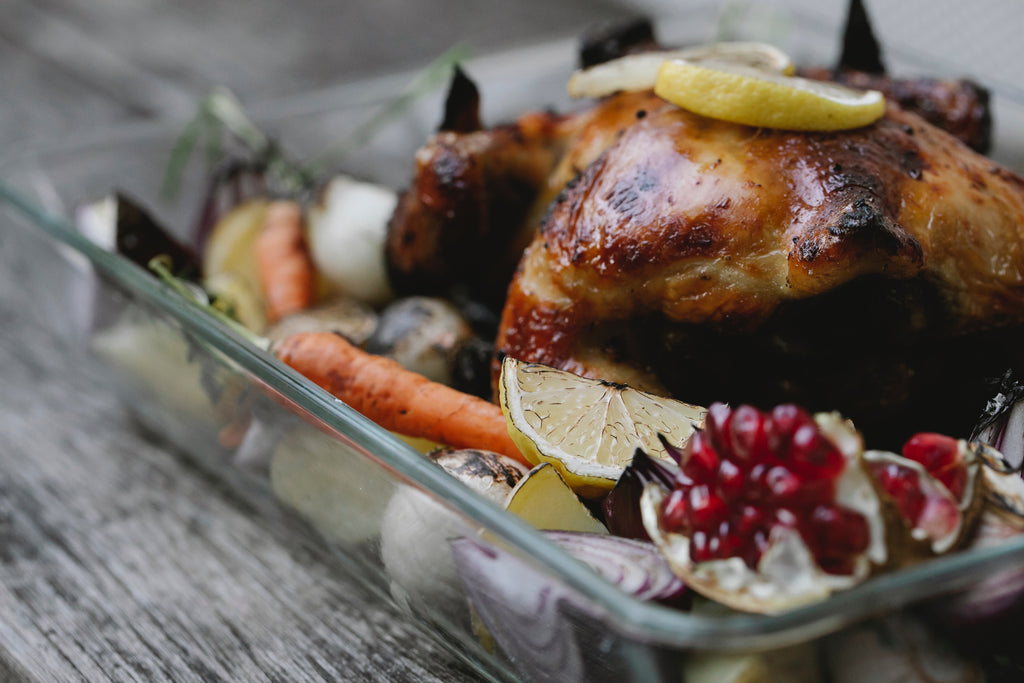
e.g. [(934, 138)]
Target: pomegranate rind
[(787, 574), (856, 491), (920, 541), (1004, 494)]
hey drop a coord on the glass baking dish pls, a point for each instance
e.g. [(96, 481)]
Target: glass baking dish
[(529, 610)]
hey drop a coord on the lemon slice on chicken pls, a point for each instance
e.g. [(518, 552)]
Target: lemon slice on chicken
[(756, 97), (587, 428), (639, 71)]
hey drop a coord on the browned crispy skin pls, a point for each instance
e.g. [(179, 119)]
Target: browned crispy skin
[(477, 195), (460, 222), (960, 107), (844, 270)]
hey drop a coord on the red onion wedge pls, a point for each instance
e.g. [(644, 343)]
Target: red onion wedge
[(635, 567), (547, 629), (621, 507)]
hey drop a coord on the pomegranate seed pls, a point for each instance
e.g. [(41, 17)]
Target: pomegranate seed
[(716, 424), (750, 519), (935, 451), (903, 485), (782, 483), (749, 437), (786, 517), (811, 453), (955, 479), (730, 479), (729, 545), (706, 508), (702, 463), (674, 510), (840, 530), (755, 482), (784, 421), (699, 549)]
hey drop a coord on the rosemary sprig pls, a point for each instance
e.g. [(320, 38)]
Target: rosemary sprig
[(220, 120)]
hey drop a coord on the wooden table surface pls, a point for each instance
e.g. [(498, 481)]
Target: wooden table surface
[(119, 560)]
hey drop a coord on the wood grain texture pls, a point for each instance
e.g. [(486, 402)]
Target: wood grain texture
[(118, 559)]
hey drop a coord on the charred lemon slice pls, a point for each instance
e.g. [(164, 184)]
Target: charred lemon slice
[(756, 97), (639, 71), (588, 429)]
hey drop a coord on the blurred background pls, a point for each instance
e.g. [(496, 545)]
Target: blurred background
[(87, 64), (81, 488)]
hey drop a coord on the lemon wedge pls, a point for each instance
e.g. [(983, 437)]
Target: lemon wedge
[(587, 429), (639, 71), (756, 97)]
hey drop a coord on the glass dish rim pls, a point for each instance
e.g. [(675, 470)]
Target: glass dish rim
[(629, 617)]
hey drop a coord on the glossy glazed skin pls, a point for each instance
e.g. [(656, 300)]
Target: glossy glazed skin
[(462, 223), (959, 107), (857, 271)]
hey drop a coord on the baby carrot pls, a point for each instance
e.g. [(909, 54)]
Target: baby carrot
[(395, 398), (285, 268)]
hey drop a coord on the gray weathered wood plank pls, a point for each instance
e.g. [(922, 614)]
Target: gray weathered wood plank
[(118, 559)]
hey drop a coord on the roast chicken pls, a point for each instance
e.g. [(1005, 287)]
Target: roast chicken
[(877, 271)]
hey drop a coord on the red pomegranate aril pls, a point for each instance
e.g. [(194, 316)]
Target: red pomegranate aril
[(706, 509), (749, 436), (716, 426), (903, 485), (756, 489), (750, 519), (786, 518), (729, 545), (940, 456), (785, 419), (702, 461), (812, 454), (699, 548), (935, 451), (782, 483), (730, 479), (675, 509), (955, 479), (840, 529)]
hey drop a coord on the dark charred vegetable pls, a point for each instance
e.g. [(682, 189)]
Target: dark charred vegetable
[(861, 51), (621, 507), (118, 224), (605, 42), (462, 106)]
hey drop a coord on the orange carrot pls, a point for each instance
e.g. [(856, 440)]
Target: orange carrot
[(286, 271), (395, 398)]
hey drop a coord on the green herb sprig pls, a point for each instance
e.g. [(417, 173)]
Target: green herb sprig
[(220, 121)]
